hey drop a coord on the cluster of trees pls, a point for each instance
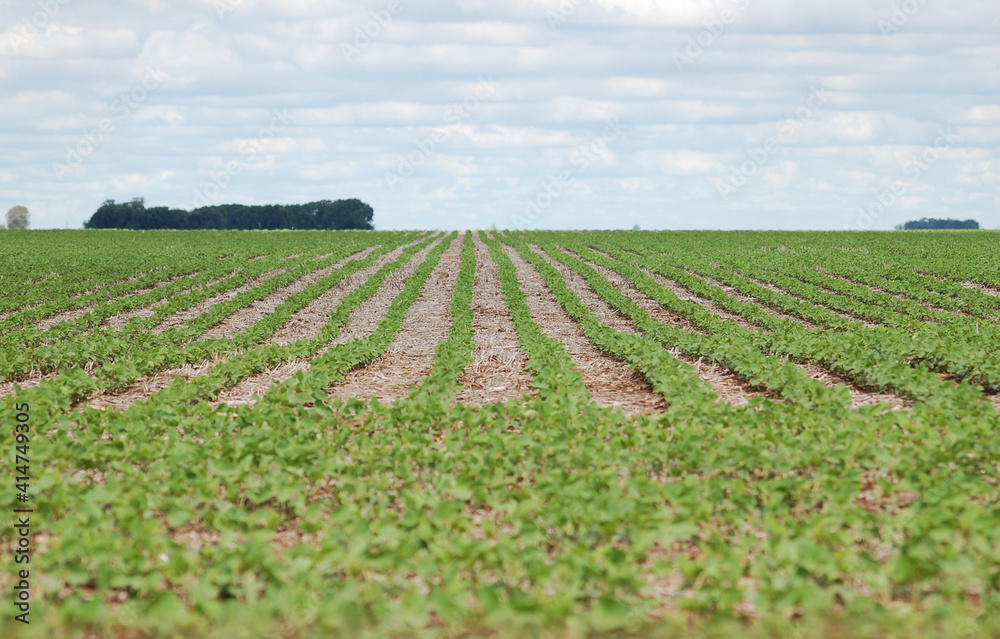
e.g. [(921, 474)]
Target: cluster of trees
[(18, 218), (924, 224), (325, 214)]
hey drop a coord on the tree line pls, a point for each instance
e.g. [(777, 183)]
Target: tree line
[(324, 214), (924, 224)]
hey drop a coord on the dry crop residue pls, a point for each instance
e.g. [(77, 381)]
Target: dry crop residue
[(118, 321), (410, 357), (143, 388), (308, 323), (77, 313), (247, 316), (610, 381), (361, 323), (498, 371), (724, 382), (204, 306)]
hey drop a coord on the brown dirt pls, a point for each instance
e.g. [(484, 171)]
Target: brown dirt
[(204, 306), (310, 320), (118, 321), (247, 316), (876, 289), (859, 397), (689, 296), (411, 355), (31, 381), (724, 382), (781, 291), (362, 322), (306, 324), (146, 386), (366, 317), (498, 371), (611, 382), (15, 311), (982, 288), (732, 292), (76, 313)]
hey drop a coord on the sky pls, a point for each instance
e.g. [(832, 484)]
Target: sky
[(535, 114)]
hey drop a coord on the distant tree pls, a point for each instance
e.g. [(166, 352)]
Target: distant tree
[(18, 218), (924, 224)]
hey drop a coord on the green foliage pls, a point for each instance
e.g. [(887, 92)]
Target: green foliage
[(303, 515), (933, 223), (339, 215), (18, 218)]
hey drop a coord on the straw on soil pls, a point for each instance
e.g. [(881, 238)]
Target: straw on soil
[(204, 306), (724, 382), (247, 316), (143, 388), (743, 297), (859, 396), (877, 289), (982, 288), (31, 381), (610, 381), (309, 321), (306, 324), (498, 370), (77, 313), (781, 291), (411, 355), (118, 321)]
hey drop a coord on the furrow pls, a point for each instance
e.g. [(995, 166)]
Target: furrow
[(410, 356), (610, 381), (118, 321), (247, 316), (308, 322), (142, 389), (859, 397), (875, 289), (498, 371), (982, 288), (781, 291), (362, 322), (724, 382), (77, 313), (204, 306), (749, 299)]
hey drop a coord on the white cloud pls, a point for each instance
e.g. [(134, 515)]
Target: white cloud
[(351, 121)]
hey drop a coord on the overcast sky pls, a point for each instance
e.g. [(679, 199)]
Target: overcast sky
[(824, 114)]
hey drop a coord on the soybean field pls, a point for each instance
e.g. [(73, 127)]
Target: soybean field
[(505, 433)]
